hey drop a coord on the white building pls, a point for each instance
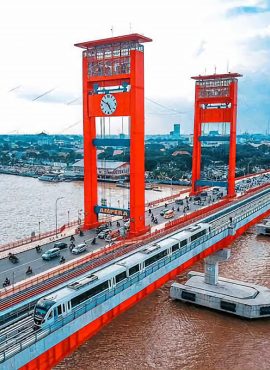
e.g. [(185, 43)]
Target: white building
[(106, 169)]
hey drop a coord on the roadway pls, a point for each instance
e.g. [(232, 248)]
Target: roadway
[(19, 331), (17, 272)]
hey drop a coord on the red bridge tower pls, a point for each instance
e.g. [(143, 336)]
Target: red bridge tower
[(113, 86), (215, 102)]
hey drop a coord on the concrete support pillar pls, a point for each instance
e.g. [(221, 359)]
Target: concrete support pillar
[(211, 265)]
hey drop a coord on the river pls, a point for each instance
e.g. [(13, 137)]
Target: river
[(27, 203), (159, 333)]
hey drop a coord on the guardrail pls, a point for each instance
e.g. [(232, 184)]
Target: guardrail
[(168, 198), (135, 243), (52, 233), (38, 237), (104, 296)]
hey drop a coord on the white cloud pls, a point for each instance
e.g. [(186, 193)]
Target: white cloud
[(189, 37)]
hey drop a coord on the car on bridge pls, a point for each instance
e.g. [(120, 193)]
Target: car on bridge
[(51, 253), (60, 245), (101, 228), (203, 194), (169, 214), (179, 201), (79, 248), (102, 234), (197, 200), (127, 224), (163, 211)]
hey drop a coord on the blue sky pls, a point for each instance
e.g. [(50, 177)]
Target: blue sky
[(189, 38)]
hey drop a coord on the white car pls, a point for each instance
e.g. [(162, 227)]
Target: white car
[(51, 253), (79, 248), (127, 224)]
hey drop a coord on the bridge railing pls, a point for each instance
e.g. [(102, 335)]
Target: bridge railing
[(39, 237), (104, 296), (168, 198), (135, 243)]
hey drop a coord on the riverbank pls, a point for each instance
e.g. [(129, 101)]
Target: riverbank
[(59, 175)]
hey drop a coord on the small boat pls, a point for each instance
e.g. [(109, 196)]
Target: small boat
[(148, 187), (50, 177), (156, 188), (122, 184)]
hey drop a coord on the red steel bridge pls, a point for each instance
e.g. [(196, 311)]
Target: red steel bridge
[(86, 293)]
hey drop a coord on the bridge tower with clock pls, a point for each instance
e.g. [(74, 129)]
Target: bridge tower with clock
[(215, 102), (113, 86)]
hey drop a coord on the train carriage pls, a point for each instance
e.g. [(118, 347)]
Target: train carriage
[(60, 303)]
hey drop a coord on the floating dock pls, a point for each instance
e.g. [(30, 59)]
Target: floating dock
[(228, 295), (264, 227)]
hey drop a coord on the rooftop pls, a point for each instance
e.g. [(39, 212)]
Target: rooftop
[(216, 76), (106, 164), (135, 37)]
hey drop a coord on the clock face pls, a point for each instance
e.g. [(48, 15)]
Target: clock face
[(108, 104)]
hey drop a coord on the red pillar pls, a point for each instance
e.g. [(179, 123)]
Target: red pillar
[(137, 171), (232, 153), (215, 102), (114, 67), (90, 158)]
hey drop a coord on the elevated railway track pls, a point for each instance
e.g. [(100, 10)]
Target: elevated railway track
[(20, 296), (21, 334)]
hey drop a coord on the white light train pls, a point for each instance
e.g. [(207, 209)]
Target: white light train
[(61, 302)]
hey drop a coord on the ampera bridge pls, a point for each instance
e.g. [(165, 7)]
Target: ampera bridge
[(48, 315)]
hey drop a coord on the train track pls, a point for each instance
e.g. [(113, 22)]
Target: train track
[(43, 287), (12, 336), (19, 330)]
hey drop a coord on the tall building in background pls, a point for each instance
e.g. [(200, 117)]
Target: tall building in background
[(176, 131)]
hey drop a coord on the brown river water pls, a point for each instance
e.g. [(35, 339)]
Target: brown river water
[(159, 333)]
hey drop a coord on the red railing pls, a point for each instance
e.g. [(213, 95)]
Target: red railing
[(73, 223), (170, 197), (135, 243), (252, 175), (38, 237)]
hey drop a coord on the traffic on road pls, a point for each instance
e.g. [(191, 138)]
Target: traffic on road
[(18, 267)]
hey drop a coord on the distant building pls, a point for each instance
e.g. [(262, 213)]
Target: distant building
[(43, 139), (176, 131), (180, 152), (106, 169), (117, 152)]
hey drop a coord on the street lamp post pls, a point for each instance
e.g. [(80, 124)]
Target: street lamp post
[(39, 222), (56, 214), (171, 183), (248, 167), (68, 218), (79, 216)]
